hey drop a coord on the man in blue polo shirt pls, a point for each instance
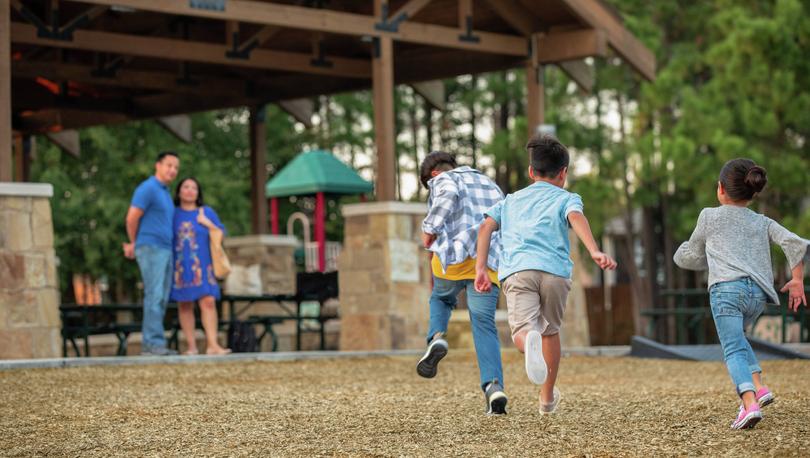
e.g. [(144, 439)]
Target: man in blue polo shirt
[(149, 227)]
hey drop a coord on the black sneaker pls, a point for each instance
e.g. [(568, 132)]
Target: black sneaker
[(496, 399), (429, 363)]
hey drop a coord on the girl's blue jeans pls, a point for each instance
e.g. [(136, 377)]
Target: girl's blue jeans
[(735, 306), (482, 320)]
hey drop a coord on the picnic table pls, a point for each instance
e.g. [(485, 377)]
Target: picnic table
[(79, 322)]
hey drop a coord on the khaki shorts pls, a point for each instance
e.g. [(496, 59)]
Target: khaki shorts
[(535, 300)]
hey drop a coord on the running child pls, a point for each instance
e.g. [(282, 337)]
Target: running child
[(458, 198), (535, 265), (733, 243)]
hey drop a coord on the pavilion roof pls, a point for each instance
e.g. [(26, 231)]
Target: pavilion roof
[(110, 61)]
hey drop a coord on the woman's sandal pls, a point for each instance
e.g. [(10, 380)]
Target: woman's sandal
[(191, 352)]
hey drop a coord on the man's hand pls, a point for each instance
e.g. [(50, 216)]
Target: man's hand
[(482, 282), (428, 239), (604, 261), (795, 290), (129, 250)]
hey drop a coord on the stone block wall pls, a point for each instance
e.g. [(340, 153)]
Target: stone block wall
[(29, 290), (268, 258), (384, 277)]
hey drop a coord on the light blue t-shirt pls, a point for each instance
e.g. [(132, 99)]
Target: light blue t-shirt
[(156, 224), (534, 229)]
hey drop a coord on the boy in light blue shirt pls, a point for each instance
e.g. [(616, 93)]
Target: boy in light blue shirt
[(535, 265)]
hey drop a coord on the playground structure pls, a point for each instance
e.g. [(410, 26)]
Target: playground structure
[(321, 175)]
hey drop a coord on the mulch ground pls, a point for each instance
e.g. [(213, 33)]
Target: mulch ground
[(380, 407)]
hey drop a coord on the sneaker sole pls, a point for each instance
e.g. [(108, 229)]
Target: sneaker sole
[(497, 406), (766, 400), (428, 366), (536, 368)]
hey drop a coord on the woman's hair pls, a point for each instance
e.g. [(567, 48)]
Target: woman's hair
[(198, 202), (437, 160), (742, 178)]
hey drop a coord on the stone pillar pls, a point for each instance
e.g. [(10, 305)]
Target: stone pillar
[(261, 264), (29, 293), (384, 277)]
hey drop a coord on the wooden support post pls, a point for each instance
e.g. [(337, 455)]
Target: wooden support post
[(535, 103), (19, 159), (274, 215), (258, 170), (5, 91), (383, 93), (320, 230)]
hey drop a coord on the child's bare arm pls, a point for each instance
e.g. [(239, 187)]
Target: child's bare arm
[(583, 230), (482, 282)]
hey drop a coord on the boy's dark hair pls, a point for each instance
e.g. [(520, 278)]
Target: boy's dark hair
[(437, 160), (547, 155), (742, 178), (163, 154), (198, 202)]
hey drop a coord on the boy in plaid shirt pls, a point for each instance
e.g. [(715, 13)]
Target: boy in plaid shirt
[(459, 196)]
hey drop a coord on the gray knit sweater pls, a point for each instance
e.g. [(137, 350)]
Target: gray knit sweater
[(734, 242)]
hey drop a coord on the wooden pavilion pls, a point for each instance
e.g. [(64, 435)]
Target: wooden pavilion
[(67, 64)]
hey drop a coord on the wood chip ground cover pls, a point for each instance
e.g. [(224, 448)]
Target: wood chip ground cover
[(380, 407)]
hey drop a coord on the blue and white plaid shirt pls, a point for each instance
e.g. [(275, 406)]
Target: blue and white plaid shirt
[(458, 200)]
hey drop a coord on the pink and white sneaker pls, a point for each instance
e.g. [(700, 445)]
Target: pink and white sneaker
[(765, 396), (747, 418)]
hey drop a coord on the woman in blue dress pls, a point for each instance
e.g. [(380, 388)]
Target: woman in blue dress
[(193, 271)]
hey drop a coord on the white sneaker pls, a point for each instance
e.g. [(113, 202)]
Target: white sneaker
[(536, 367)]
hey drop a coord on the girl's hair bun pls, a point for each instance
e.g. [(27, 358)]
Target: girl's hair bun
[(756, 178)]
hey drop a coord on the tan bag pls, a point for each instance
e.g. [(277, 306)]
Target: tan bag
[(222, 266)]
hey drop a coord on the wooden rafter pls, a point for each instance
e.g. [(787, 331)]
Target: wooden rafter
[(626, 45), (333, 22), (571, 45), (408, 10), (181, 50)]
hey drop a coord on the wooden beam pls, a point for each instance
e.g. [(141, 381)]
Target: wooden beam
[(66, 118), (535, 98), (258, 169), (408, 10), (67, 141), (516, 15), (5, 92), (331, 21), (465, 12), (181, 50), (177, 125), (595, 14), (573, 45), (580, 73), (300, 109), (383, 99), (432, 92), (125, 78)]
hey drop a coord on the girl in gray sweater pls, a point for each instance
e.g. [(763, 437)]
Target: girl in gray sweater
[(733, 243)]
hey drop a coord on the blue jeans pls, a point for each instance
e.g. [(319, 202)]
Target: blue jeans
[(735, 305), (482, 319), (156, 271)]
